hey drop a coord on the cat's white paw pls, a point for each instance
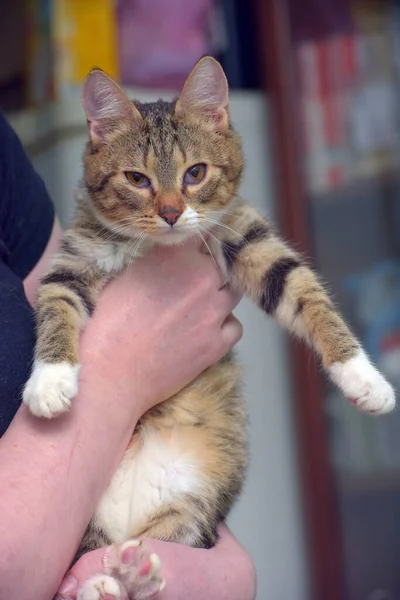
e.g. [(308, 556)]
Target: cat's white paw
[(136, 567), (102, 587), (50, 388), (363, 385)]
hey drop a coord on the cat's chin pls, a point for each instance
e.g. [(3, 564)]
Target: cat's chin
[(172, 238)]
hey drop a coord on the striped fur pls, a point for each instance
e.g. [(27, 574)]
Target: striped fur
[(283, 285), (198, 436)]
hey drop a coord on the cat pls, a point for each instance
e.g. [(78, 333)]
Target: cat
[(159, 173)]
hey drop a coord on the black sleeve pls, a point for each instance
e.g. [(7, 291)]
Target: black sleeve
[(26, 221), (17, 342), (26, 212)]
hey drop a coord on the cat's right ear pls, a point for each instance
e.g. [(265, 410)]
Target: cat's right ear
[(106, 105)]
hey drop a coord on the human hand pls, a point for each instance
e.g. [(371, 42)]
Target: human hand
[(225, 572), (158, 325)]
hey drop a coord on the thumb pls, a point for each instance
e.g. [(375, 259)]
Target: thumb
[(88, 565)]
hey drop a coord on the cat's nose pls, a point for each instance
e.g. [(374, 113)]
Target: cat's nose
[(170, 215)]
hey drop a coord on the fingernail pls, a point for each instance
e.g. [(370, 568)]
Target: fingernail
[(68, 586)]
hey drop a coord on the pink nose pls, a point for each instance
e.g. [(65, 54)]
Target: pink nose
[(170, 215)]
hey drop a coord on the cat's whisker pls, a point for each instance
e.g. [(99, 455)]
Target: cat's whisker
[(230, 214), (121, 230), (124, 226), (133, 250), (135, 220), (209, 233), (214, 222), (209, 250), (115, 236), (113, 233)]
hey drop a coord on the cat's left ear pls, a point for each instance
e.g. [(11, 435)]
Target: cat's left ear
[(205, 95), (106, 106)]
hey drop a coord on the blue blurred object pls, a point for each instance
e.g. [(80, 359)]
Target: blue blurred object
[(377, 295)]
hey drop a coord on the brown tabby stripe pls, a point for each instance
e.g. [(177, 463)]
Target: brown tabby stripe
[(46, 314), (93, 149), (94, 538), (161, 515), (68, 300), (208, 540), (67, 246), (95, 189), (126, 198), (74, 283), (230, 250), (274, 283)]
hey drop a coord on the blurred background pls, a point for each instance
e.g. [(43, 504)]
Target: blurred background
[(315, 93)]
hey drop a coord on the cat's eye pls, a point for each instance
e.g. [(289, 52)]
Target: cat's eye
[(137, 179), (195, 174)]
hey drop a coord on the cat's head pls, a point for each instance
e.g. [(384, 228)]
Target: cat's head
[(167, 170)]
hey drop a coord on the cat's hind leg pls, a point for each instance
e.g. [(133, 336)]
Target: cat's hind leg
[(102, 587), (136, 567), (132, 572)]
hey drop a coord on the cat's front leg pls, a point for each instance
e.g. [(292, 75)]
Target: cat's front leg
[(65, 303), (278, 279)]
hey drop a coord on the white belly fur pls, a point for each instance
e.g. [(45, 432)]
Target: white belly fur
[(147, 478)]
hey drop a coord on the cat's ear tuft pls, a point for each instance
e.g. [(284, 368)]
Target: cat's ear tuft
[(106, 105), (205, 95)]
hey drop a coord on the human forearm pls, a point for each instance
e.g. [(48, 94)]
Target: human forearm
[(54, 474), (225, 572)]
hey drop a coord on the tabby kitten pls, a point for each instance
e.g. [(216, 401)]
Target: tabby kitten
[(160, 173)]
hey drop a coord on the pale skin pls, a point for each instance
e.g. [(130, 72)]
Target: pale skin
[(129, 364)]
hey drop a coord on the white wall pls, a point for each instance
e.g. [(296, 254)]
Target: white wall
[(267, 518)]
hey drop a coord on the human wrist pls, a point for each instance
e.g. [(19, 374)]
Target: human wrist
[(114, 385)]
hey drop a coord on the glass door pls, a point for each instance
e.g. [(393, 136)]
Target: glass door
[(347, 64)]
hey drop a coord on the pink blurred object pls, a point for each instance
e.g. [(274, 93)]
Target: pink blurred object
[(160, 40)]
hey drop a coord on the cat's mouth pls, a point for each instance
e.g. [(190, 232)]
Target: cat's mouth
[(173, 235), (184, 228)]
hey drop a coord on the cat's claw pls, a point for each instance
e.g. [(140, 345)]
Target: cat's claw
[(102, 587), (363, 385), (136, 567), (50, 388)]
